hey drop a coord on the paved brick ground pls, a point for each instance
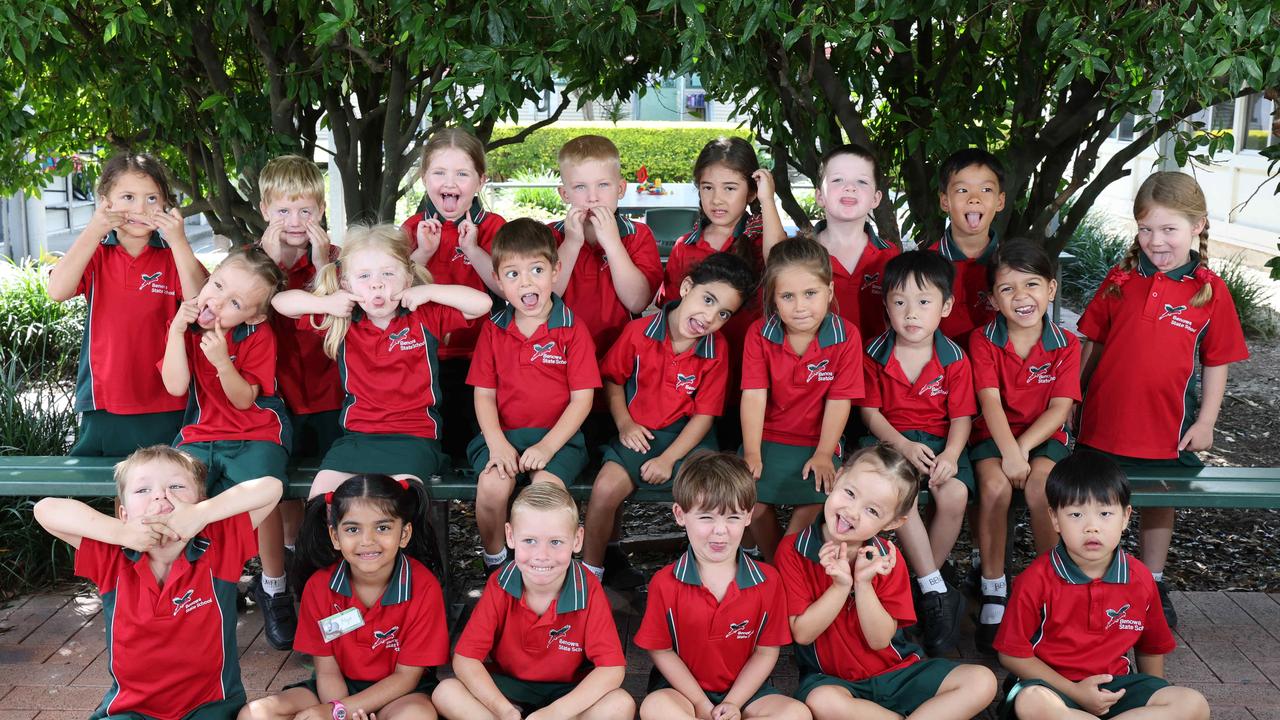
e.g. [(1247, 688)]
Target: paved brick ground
[(52, 664)]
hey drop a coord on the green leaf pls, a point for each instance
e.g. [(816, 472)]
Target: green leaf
[(212, 101)]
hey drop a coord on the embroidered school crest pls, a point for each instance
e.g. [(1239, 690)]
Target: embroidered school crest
[(740, 630), (150, 279), (559, 637), (185, 603), (1172, 311), (546, 354), (394, 338), (933, 387), (1116, 616), (401, 340), (387, 639), (153, 283), (1177, 319), (557, 633), (686, 383), (871, 281), (459, 255), (819, 372), (1039, 374)]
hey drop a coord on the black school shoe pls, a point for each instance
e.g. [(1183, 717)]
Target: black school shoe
[(279, 618), (985, 634), (940, 614), (1166, 602), (619, 573)]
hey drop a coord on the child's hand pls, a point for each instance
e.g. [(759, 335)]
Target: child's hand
[(823, 469), (340, 304), (505, 460), (105, 219), (184, 523), (1017, 470), (726, 711), (764, 183), (834, 558), (535, 457), (359, 714), (918, 454), (170, 225), (270, 242), (944, 468), (656, 471), (214, 345), (755, 463), (468, 237), (511, 713), (1093, 699), (140, 534), (869, 563), (319, 247), (574, 224), (187, 313), (635, 437), (703, 710), (1199, 437), (606, 227), (428, 239)]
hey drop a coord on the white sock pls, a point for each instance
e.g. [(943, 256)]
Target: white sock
[(932, 582), (273, 585), (1157, 576), (597, 571), (998, 587), (991, 614), (496, 559)]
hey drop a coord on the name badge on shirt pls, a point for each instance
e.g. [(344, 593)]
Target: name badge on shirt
[(339, 624)]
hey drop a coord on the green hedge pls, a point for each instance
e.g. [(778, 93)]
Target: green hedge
[(668, 153)]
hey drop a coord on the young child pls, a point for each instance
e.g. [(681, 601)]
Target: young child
[(372, 614), (1156, 314), (534, 375), (451, 239), (1026, 371), (383, 321), (1079, 608), (665, 379), (611, 267), (134, 267), (848, 598), (801, 370), (970, 192), (541, 642), (223, 351), (713, 623), (167, 565), (847, 192), (920, 402)]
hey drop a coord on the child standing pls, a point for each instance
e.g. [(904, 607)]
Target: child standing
[(167, 566), (534, 375), (665, 379), (134, 267), (372, 614), (383, 322), (920, 402), (541, 641), (713, 623), (848, 598), (970, 192), (1026, 371), (1078, 610), (1156, 314), (801, 368)]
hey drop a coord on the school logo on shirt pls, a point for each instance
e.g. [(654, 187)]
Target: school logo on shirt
[(152, 281), (819, 372), (740, 630), (1121, 620), (546, 354), (186, 602), (983, 301), (871, 281), (933, 387), (1174, 314), (686, 383), (558, 637), (402, 341), (387, 639), (459, 255), (1039, 374)]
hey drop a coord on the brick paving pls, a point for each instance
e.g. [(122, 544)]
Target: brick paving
[(53, 664)]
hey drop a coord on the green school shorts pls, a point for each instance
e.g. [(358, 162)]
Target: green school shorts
[(389, 454), (657, 681), (426, 684), (1186, 458), (1050, 448), (780, 482), (964, 470), (901, 691), (1138, 689), (104, 434), (314, 433), (567, 464), (225, 709), (630, 460), (530, 696), (232, 462)]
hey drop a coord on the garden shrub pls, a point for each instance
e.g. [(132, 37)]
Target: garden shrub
[(1251, 297), (34, 328), (1095, 252)]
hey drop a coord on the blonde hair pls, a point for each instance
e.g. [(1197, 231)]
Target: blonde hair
[(456, 138), (291, 176), (586, 148), (892, 466), (798, 251), (1178, 193), (545, 497), (191, 466), (388, 239), (715, 481), (256, 262)]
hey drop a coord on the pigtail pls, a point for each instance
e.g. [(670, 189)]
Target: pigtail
[(314, 547), (422, 543), (1120, 273), (1205, 294), (326, 283)]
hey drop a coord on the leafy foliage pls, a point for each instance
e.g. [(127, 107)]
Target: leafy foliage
[(1251, 298), (1094, 251), (35, 330)]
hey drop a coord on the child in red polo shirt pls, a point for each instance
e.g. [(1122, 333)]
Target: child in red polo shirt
[(133, 265), (801, 370), (167, 565), (920, 402), (451, 237), (372, 615), (534, 375), (848, 599), (383, 321), (970, 192), (541, 641), (1078, 610), (1156, 314), (714, 619), (665, 380), (1026, 371)]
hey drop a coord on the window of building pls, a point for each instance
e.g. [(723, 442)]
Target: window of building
[(673, 99), (1260, 123)]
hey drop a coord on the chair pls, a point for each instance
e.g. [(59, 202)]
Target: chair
[(668, 225)]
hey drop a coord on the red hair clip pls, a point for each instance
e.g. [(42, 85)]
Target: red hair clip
[(404, 484), (328, 498)]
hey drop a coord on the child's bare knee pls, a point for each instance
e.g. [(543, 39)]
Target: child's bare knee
[(1037, 702)]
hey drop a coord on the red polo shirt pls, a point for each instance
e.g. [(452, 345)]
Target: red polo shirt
[(187, 626), (800, 385), (1050, 370), (1080, 626), (1142, 394), (131, 302), (859, 294), (972, 307), (575, 635), (390, 376), (533, 376), (210, 414), (591, 291), (408, 626), (714, 638), (450, 266), (308, 378), (842, 650), (662, 386), (942, 392)]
